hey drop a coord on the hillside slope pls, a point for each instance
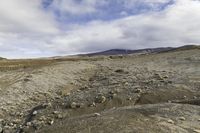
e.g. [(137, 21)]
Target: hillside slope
[(158, 92)]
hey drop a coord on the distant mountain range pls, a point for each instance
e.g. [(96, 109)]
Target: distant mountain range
[(128, 51), (141, 51)]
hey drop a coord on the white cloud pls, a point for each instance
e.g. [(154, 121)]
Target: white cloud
[(28, 31), (21, 16), (175, 26)]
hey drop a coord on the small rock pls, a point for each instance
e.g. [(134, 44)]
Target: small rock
[(126, 83), (17, 113), (42, 118), (1, 129), (73, 105), (194, 97), (67, 94), (165, 77), (114, 95), (103, 99), (134, 78), (59, 116), (198, 119), (20, 114), (16, 121), (196, 130), (184, 97), (169, 101), (182, 118), (51, 122), (100, 99), (158, 76), (14, 126), (47, 105), (117, 90), (12, 113), (170, 121), (35, 113), (1, 120), (97, 114), (151, 81), (29, 124), (84, 88), (129, 98), (111, 92), (138, 90), (11, 124), (92, 105), (55, 112)]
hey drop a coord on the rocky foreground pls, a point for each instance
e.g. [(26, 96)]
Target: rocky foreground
[(141, 93)]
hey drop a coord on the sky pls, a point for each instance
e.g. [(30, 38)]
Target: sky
[(43, 28)]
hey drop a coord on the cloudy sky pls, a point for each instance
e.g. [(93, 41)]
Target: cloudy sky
[(35, 28)]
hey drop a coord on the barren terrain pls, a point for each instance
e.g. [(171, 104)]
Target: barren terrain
[(136, 93)]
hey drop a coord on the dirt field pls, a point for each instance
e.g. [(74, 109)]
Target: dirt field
[(143, 93)]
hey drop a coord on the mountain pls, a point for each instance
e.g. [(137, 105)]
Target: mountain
[(128, 51), (186, 47), (145, 51)]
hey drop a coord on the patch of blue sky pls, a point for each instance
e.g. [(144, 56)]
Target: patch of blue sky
[(113, 9)]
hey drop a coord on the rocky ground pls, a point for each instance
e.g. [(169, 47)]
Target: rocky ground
[(154, 93)]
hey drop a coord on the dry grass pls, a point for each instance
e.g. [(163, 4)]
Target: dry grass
[(7, 65), (23, 64)]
